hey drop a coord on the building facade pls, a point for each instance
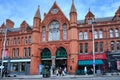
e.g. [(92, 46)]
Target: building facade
[(57, 42)]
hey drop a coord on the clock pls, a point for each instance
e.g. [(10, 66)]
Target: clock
[(54, 11)]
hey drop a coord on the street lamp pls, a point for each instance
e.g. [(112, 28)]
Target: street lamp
[(3, 50), (93, 46)]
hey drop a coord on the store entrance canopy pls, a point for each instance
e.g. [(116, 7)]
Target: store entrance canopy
[(89, 62)]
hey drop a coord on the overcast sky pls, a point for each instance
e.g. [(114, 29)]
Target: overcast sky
[(19, 10)]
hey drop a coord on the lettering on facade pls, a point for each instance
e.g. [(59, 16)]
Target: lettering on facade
[(90, 56)]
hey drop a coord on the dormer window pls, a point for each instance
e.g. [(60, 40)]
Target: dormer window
[(90, 21)]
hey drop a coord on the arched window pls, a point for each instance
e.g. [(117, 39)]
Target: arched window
[(85, 35), (80, 36), (111, 33), (54, 31), (100, 34), (43, 33), (116, 32), (95, 35), (64, 31), (45, 53)]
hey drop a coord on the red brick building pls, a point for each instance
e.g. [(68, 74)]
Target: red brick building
[(59, 42)]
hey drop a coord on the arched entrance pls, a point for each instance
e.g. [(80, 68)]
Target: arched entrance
[(46, 57), (61, 58)]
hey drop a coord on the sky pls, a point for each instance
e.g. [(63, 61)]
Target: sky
[(19, 10)]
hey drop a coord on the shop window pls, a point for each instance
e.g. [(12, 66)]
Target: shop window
[(14, 67), (22, 67)]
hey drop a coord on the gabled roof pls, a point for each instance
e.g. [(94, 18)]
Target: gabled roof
[(118, 11), (3, 25), (54, 12), (97, 20), (90, 14)]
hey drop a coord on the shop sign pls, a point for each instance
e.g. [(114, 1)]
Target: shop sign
[(90, 56), (118, 65)]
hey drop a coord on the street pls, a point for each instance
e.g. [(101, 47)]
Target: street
[(63, 78)]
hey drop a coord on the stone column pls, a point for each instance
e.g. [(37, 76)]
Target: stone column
[(53, 65)]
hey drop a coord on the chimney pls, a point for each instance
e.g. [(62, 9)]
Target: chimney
[(9, 23)]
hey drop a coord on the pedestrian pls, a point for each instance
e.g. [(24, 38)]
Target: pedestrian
[(3, 72), (57, 71), (85, 70), (60, 71)]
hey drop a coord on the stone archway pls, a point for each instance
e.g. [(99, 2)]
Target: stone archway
[(46, 57), (61, 58)]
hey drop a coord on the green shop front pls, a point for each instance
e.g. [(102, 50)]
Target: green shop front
[(53, 61)]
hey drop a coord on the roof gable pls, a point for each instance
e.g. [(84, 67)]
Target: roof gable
[(55, 13)]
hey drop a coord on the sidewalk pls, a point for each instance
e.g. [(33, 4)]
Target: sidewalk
[(54, 76)]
